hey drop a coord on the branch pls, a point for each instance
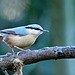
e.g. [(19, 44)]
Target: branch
[(13, 62)]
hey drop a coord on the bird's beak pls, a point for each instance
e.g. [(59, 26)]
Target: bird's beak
[(45, 30)]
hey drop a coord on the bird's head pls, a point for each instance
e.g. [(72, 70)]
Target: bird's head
[(35, 29)]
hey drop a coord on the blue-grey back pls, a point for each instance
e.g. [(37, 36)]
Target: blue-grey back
[(16, 31)]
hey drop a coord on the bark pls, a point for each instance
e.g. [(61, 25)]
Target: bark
[(14, 62)]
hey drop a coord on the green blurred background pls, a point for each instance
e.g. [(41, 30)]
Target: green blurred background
[(57, 16)]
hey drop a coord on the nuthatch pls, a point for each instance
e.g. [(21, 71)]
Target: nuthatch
[(21, 37)]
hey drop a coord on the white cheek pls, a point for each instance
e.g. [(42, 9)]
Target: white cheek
[(37, 32)]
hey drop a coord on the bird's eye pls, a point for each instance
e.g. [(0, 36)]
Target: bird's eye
[(33, 28), (37, 29)]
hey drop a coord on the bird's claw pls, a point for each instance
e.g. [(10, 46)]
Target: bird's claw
[(23, 51), (27, 50), (8, 53)]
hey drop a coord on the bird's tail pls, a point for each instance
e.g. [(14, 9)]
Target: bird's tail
[(1, 35)]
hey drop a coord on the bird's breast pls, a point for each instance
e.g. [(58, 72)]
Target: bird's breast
[(20, 41)]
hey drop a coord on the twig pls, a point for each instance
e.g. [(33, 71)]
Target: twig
[(29, 57)]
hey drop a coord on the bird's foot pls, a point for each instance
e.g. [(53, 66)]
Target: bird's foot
[(23, 51), (27, 50), (8, 53)]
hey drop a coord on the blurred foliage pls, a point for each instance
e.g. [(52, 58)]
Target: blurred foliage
[(57, 16)]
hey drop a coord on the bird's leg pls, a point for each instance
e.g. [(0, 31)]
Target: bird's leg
[(12, 50), (21, 49)]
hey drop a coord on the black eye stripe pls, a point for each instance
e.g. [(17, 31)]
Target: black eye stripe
[(37, 29), (33, 28)]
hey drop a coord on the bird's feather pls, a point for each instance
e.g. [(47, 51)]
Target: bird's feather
[(15, 31)]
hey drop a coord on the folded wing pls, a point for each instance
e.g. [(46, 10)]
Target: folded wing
[(15, 31)]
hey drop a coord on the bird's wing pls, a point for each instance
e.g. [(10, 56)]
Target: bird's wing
[(15, 31)]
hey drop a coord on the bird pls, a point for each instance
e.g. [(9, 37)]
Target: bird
[(21, 37)]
